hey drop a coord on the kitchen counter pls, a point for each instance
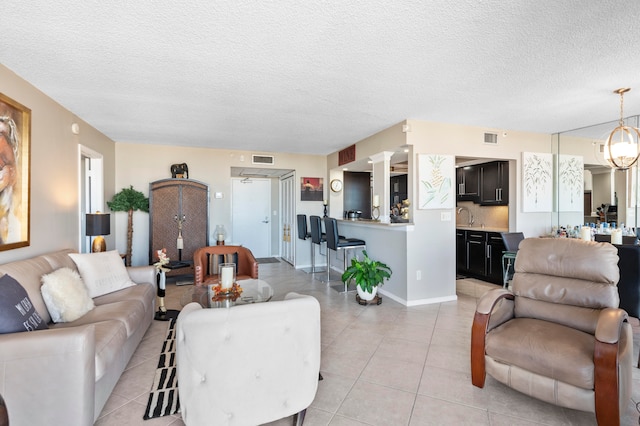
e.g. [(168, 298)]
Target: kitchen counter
[(481, 228), (375, 223)]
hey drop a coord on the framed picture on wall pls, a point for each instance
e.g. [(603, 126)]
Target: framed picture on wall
[(435, 190), (311, 189), (571, 183), (15, 160), (537, 182)]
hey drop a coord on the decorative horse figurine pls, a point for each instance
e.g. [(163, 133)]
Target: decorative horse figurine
[(180, 171)]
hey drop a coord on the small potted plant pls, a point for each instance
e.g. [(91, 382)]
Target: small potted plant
[(368, 275)]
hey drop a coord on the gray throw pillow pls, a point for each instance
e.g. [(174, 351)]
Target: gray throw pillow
[(16, 310)]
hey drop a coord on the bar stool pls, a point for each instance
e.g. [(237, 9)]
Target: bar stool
[(304, 235), (511, 242), (335, 243), (317, 237)]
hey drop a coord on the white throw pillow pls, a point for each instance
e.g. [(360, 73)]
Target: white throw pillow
[(102, 272), (65, 295)]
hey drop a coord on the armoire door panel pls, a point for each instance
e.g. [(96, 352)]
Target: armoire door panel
[(177, 198)]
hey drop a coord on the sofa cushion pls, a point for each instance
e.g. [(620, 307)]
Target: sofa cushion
[(16, 310), (103, 272), (129, 312), (65, 295), (214, 260), (144, 293)]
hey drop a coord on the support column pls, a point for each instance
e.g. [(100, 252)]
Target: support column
[(382, 182)]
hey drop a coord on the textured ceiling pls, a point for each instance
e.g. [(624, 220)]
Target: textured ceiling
[(314, 77)]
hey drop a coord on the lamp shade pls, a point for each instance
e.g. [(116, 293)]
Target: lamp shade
[(98, 224)]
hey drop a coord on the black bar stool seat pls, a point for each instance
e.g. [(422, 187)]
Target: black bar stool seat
[(317, 237), (335, 243), (304, 234)]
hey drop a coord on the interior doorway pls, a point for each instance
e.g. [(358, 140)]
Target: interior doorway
[(287, 218), (251, 221), (282, 204), (91, 190)]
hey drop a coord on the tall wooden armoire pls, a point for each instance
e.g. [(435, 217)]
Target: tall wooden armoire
[(171, 200)]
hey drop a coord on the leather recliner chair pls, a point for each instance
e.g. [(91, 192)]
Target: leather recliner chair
[(559, 336)]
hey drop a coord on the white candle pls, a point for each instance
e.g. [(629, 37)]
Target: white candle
[(616, 236), (226, 277), (376, 201), (180, 243), (585, 233), (220, 237), (324, 202)]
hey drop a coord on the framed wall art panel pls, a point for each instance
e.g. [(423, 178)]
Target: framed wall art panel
[(15, 162), (537, 182), (435, 190)]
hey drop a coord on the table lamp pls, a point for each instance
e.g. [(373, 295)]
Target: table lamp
[(98, 224)]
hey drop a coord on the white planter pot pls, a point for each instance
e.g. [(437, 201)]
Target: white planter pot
[(365, 295)]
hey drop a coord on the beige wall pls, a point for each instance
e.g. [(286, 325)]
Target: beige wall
[(430, 243), (140, 164), (55, 217)]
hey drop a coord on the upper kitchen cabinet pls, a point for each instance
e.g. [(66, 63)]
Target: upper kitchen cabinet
[(468, 183), (494, 183)]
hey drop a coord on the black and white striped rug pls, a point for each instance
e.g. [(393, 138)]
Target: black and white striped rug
[(163, 399)]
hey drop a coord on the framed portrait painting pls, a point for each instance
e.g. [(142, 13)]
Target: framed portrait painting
[(311, 189), (15, 161)]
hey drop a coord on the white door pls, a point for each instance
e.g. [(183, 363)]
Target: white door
[(250, 207), (288, 221)]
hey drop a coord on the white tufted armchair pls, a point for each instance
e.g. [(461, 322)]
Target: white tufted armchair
[(249, 364)]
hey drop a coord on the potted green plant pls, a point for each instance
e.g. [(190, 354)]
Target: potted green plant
[(368, 275)]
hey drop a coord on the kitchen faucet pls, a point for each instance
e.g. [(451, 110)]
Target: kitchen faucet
[(471, 219)]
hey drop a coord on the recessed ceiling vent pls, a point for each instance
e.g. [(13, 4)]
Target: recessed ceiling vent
[(262, 159), (491, 138)]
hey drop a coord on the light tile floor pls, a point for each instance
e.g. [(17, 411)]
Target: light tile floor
[(383, 365)]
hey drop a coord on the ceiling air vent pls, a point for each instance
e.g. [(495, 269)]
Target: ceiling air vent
[(491, 138), (262, 159)]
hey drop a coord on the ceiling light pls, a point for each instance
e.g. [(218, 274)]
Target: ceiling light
[(621, 151)]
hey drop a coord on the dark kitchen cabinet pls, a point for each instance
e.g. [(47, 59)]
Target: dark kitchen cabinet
[(357, 193), (495, 247), (476, 253), (398, 189), (494, 183), (467, 183), (461, 251), (479, 254)]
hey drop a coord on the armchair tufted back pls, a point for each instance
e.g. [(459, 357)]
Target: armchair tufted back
[(249, 364), (567, 281)]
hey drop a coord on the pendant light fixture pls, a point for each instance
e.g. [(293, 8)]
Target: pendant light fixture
[(621, 149)]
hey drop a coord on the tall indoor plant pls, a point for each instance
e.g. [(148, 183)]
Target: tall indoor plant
[(129, 200), (368, 275)]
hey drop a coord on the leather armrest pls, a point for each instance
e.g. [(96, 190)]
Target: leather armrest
[(488, 300), (498, 305), (49, 375), (609, 325), (142, 274)]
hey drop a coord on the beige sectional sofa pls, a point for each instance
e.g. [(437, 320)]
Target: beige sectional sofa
[(64, 375)]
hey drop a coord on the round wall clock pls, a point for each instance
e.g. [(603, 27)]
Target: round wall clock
[(336, 185)]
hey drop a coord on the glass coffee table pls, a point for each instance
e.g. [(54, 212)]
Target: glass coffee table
[(253, 291)]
